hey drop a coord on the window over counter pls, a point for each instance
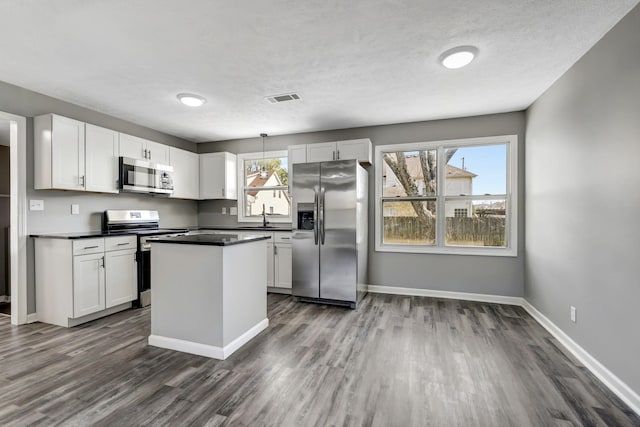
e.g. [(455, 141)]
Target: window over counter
[(455, 197), (263, 181)]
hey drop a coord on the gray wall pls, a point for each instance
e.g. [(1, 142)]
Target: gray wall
[(57, 214), (583, 199), (457, 273)]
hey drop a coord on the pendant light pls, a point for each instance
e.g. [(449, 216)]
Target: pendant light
[(263, 170)]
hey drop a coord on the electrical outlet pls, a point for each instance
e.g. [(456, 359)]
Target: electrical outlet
[(233, 210), (224, 211), (573, 314), (36, 205), (75, 209)]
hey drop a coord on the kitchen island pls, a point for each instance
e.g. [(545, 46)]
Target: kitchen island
[(209, 292)]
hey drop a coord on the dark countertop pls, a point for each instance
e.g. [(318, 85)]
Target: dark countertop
[(246, 228), (94, 234), (81, 235), (209, 239)]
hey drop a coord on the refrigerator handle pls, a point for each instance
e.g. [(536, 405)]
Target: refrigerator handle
[(315, 216), (322, 216)]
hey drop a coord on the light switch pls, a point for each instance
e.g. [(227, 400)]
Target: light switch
[(233, 210), (224, 211), (75, 209), (36, 205)]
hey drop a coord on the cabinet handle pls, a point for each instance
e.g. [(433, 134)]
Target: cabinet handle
[(81, 179), (223, 192), (338, 155), (285, 238), (145, 153), (275, 250), (149, 154), (91, 247), (123, 244), (334, 155), (101, 262)]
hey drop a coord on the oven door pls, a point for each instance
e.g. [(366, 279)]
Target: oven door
[(140, 176)]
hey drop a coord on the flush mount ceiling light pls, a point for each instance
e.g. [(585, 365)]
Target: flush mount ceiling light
[(458, 57), (191, 99)]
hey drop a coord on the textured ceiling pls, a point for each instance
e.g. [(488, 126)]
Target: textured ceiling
[(354, 63)]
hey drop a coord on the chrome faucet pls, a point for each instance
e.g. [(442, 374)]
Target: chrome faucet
[(264, 216)]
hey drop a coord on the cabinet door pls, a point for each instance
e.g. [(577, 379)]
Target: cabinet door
[(358, 149), (158, 153), (67, 153), (211, 175), (322, 152), (186, 169), (283, 265), (270, 264), (88, 284), (121, 277), (133, 147), (101, 149)]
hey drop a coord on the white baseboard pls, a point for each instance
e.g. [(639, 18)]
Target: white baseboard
[(497, 299), (615, 384), (207, 350), (32, 317)]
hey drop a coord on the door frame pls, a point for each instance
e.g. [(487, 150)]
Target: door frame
[(18, 216)]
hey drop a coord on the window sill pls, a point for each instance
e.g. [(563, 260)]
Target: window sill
[(449, 250)]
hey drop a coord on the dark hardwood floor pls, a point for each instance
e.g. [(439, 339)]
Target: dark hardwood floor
[(396, 361)]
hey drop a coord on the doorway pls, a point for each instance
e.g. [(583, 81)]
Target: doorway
[(15, 241), (5, 216)]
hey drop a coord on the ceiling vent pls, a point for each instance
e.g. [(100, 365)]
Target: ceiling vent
[(274, 99)]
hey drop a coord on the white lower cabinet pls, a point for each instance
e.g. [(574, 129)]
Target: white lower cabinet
[(121, 271), (83, 279), (283, 260), (88, 284)]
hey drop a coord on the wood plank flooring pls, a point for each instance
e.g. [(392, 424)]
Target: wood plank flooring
[(396, 361)]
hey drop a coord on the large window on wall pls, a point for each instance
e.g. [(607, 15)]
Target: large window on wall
[(262, 181), (457, 197)]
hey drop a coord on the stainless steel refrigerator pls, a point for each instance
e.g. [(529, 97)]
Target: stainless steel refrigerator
[(330, 232)]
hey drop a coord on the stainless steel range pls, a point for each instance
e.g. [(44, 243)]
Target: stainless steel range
[(144, 224)]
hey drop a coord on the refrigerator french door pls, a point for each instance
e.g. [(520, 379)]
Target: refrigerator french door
[(329, 232)]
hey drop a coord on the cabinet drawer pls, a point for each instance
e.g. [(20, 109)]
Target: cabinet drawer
[(282, 237), (88, 246), (119, 243)]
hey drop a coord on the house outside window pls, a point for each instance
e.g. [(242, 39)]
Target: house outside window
[(262, 181), (455, 196)]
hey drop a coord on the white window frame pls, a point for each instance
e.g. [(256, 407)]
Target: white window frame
[(511, 227), (242, 185)]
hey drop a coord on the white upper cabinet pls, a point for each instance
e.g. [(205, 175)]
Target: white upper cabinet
[(58, 153), (297, 154), (186, 174), (143, 149), (158, 153), (218, 178), (101, 150), (358, 149), (323, 152)]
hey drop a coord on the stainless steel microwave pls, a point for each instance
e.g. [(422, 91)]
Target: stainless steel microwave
[(140, 176)]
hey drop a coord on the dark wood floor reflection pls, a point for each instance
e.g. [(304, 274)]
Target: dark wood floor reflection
[(396, 361)]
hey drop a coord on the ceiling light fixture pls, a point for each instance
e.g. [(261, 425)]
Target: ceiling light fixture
[(263, 169), (191, 99), (458, 57)]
